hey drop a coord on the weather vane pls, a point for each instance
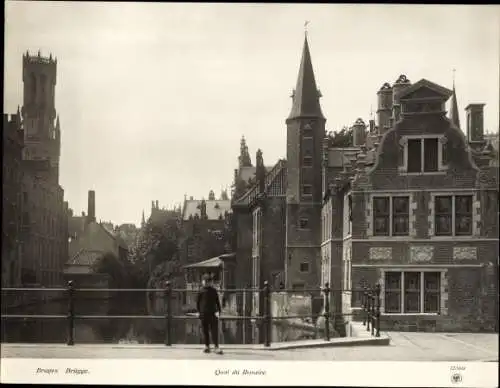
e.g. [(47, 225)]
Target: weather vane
[(305, 26), (454, 70)]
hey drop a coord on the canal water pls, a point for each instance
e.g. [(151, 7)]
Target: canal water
[(143, 330)]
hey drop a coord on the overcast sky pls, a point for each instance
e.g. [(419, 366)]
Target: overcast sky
[(154, 98)]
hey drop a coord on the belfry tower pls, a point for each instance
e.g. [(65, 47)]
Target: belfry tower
[(42, 130)]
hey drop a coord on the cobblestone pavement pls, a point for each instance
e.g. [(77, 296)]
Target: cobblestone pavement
[(404, 347)]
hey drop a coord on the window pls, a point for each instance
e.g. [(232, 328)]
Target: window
[(349, 214), (306, 189), (423, 155), (304, 266), (412, 292), (308, 161), (391, 216), (453, 215), (298, 286), (303, 223)]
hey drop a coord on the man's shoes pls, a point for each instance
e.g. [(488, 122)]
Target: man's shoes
[(218, 351), (206, 350)]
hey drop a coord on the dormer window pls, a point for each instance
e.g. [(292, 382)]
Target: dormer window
[(422, 154)]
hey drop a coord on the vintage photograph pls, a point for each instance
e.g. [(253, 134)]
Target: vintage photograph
[(262, 182)]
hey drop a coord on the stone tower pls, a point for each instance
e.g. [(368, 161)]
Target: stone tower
[(305, 133), (42, 132)]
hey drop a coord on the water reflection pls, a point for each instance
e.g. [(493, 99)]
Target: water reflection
[(102, 329)]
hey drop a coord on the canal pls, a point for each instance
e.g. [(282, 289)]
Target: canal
[(104, 329)]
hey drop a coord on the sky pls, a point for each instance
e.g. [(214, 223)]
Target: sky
[(154, 98)]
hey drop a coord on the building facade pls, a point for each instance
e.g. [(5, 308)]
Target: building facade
[(45, 240), (12, 201), (420, 206), (411, 204)]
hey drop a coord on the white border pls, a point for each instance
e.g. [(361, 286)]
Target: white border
[(292, 373)]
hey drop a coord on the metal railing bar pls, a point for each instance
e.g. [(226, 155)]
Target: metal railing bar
[(34, 316), (273, 290)]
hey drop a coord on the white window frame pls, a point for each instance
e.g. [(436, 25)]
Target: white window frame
[(391, 196), (453, 214), (422, 271), (441, 168)]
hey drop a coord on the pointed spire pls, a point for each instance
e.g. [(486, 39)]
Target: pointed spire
[(454, 114), (306, 95), (244, 158), (58, 124), (143, 219)]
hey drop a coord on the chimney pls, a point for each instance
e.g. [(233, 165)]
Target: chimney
[(91, 207), (157, 205), (372, 126), (359, 133), (260, 171), (474, 114)]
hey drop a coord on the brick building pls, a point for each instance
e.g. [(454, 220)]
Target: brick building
[(412, 204), (13, 139), (44, 243), (420, 204), (205, 228)]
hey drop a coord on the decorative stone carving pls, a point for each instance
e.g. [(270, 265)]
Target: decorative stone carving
[(421, 253), (465, 253), (380, 253)]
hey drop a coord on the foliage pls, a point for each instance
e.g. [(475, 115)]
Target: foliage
[(342, 138), (155, 255), (117, 269)]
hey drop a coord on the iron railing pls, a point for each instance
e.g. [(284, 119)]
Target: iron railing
[(370, 310)]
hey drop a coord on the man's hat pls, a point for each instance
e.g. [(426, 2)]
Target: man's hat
[(206, 277)]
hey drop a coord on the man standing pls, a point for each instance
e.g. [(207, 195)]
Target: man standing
[(209, 309)]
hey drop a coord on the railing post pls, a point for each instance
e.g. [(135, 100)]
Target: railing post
[(368, 309), (377, 291), (168, 314), (363, 299), (373, 296), (71, 314), (326, 299), (267, 314)]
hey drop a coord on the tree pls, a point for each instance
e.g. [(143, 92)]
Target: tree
[(156, 252), (341, 139), (116, 269)]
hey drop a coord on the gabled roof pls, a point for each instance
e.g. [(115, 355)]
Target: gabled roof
[(85, 257), (275, 184), (119, 240), (215, 208), (423, 83)]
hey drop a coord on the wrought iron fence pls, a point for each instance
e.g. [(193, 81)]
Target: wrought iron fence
[(370, 310)]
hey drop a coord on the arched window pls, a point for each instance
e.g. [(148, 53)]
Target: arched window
[(33, 87)]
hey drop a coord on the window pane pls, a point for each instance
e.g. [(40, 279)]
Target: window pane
[(393, 301), (431, 281), (430, 154), (412, 292), (463, 225), (393, 281), (381, 205), (381, 226), (400, 210), (400, 226), (401, 205), (412, 281), (381, 216), (431, 303), (443, 219), (463, 204), (414, 155), (443, 205)]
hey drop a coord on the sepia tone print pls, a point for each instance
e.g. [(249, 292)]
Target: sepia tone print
[(276, 231)]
